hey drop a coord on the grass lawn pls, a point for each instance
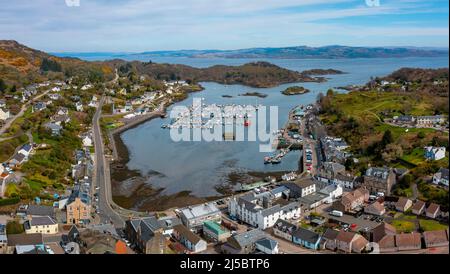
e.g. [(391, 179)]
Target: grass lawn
[(431, 225), (399, 131), (403, 226), (415, 157)]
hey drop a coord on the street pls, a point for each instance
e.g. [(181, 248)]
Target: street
[(107, 213)]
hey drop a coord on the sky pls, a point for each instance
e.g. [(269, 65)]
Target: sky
[(148, 25)]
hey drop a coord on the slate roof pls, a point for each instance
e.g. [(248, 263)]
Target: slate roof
[(39, 210), (187, 234), (306, 235), (267, 243), (330, 234), (25, 239), (42, 220), (248, 238)]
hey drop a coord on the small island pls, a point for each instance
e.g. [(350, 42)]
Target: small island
[(295, 90), (257, 94)]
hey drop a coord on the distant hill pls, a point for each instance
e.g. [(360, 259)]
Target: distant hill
[(20, 64), (305, 52), (256, 74)]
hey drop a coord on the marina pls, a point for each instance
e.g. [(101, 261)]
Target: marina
[(204, 116)]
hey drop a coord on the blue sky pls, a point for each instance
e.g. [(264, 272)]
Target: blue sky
[(143, 25)]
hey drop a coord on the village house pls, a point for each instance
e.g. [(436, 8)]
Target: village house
[(2, 103), (434, 153), (17, 160), (352, 200), (404, 120), (332, 193), (243, 243), (408, 241), (39, 106), (86, 139), (62, 111), (193, 217), (379, 180), (381, 231), (306, 238), (79, 106), (190, 240), (433, 211), (260, 211), (4, 114), (403, 204), (329, 238), (278, 192), (435, 238), (38, 211), (26, 150), (429, 121), (215, 232), (284, 229), (349, 242), (78, 208), (16, 241), (147, 234), (301, 188), (418, 208), (375, 208), (41, 224), (60, 119), (54, 96), (441, 177), (267, 246), (54, 128)]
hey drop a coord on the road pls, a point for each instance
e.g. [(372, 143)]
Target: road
[(109, 211), (8, 123), (102, 180)]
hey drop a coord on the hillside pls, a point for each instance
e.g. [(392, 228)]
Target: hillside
[(21, 65), (257, 74), (304, 52)]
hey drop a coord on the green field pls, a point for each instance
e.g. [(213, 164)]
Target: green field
[(415, 157), (403, 226), (368, 105), (431, 225)]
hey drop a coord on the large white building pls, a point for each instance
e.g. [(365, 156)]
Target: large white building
[(259, 211)]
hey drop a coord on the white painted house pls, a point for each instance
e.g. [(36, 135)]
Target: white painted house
[(441, 177), (87, 141), (257, 210), (434, 153), (4, 114)]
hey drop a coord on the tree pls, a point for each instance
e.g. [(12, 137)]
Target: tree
[(3, 85), (13, 89), (392, 152), (421, 135), (387, 138)]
